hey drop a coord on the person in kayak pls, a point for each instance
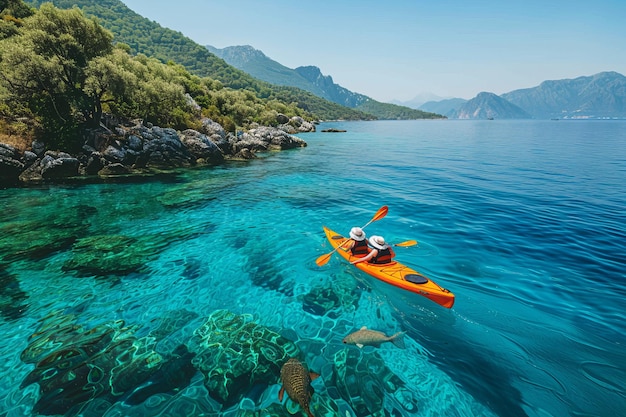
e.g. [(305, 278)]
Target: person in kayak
[(359, 246), (381, 252)]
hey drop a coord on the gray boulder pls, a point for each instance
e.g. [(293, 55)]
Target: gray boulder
[(282, 119), (29, 158), (297, 125), (53, 165), (216, 133), (264, 138), (164, 149), (61, 167), (10, 165), (115, 154), (95, 162), (201, 147), (38, 147)]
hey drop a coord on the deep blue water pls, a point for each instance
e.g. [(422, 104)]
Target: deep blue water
[(523, 220)]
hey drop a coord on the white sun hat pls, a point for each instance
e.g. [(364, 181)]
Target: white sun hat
[(357, 233), (378, 242)]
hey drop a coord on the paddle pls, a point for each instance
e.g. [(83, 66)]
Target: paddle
[(407, 243), (382, 212)]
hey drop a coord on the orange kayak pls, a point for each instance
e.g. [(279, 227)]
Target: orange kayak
[(396, 274)]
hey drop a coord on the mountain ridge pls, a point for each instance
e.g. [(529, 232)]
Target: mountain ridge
[(599, 96), (311, 79)]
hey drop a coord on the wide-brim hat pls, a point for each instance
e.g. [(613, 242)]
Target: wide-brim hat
[(357, 233), (378, 242)]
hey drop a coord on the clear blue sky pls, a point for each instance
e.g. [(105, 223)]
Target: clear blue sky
[(401, 48)]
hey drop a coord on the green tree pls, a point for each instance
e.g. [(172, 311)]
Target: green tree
[(45, 65)]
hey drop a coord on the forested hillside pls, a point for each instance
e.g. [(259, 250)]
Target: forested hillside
[(149, 38), (61, 72)]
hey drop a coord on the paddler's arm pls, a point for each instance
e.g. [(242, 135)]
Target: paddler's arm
[(367, 257)]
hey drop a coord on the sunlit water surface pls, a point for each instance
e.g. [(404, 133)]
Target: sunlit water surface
[(523, 220)]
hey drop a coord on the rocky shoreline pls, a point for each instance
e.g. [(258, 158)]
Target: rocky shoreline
[(137, 148)]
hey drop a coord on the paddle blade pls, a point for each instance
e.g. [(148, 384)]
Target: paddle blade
[(382, 212), (323, 260), (407, 243)]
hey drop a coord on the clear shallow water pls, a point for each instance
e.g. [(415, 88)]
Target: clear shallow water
[(522, 220)]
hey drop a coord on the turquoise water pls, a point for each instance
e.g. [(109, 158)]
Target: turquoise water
[(523, 220)]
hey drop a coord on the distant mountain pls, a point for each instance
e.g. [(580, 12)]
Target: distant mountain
[(257, 64), (489, 106), (445, 107), (420, 99), (310, 78), (602, 95), (333, 92), (597, 96)]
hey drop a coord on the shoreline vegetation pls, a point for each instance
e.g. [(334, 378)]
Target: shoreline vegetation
[(74, 104)]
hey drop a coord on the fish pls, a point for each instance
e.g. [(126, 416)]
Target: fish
[(296, 380), (366, 337)]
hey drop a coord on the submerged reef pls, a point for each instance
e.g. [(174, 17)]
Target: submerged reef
[(184, 364), (234, 353)]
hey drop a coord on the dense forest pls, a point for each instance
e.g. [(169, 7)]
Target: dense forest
[(60, 71)]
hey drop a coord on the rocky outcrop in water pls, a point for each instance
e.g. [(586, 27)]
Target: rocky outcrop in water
[(139, 149)]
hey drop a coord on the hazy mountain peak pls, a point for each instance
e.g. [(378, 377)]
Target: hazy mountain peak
[(597, 96), (488, 105), (420, 99)]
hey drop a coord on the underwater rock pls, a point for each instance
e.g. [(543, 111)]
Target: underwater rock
[(171, 322), (12, 298), (234, 354), (363, 380), (187, 196), (320, 300), (46, 232), (172, 375), (115, 255), (107, 255), (332, 299), (75, 365), (36, 239), (265, 272)]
